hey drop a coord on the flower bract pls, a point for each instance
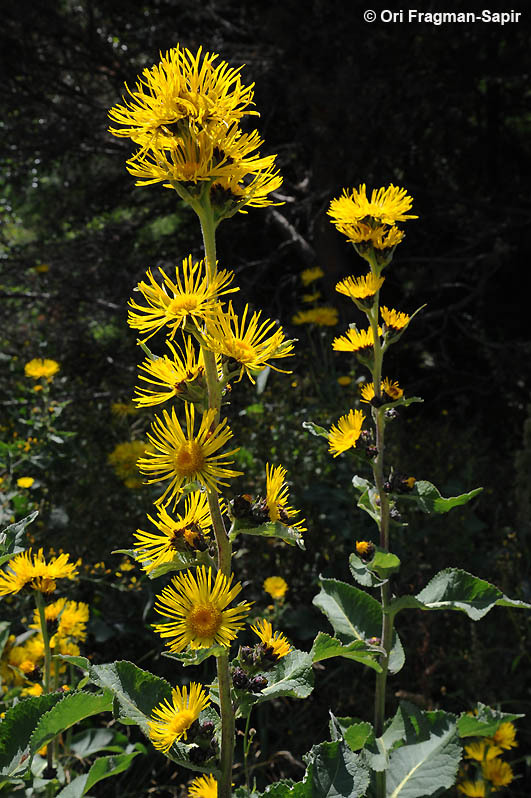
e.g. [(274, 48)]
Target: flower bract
[(197, 609), (170, 721)]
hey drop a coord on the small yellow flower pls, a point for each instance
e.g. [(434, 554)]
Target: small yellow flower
[(498, 772), (170, 722), (192, 297), (38, 368), (473, 789), (386, 206), (390, 391), (360, 288), (170, 376), (123, 460), (347, 432), (308, 298), (197, 611), (505, 736), (309, 276), (276, 644), (357, 341), (69, 618), (182, 458), (323, 316), (203, 787), (25, 482), (364, 548), (344, 380), (33, 571), (276, 587), (482, 750), (394, 320), (277, 497)]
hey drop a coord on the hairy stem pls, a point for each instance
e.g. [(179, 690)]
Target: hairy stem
[(39, 603)]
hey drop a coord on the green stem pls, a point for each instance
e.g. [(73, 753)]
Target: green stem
[(208, 229), (246, 748), (39, 603)]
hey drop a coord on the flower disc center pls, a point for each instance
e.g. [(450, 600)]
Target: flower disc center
[(204, 620), (189, 459)]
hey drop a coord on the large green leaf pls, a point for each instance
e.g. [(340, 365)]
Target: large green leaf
[(334, 771), (292, 677), (325, 647), (271, 529), (454, 589), (102, 768), (428, 767), (11, 537), (73, 708), (484, 722), (428, 498), (17, 728), (355, 615)]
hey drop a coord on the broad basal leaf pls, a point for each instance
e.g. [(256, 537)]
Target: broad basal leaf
[(16, 729), (355, 615), (73, 708)]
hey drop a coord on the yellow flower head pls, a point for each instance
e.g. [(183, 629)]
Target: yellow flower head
[(505, 736), (25, 482), (364, 548), (474, 789), (170, 722), (360, 288), (323, 316), (182, 95), (184, 457), (247, 341), (38, 368), (32, 570), (276, 587), (358, 341), (277, 497), (69, 618), (172, 304), (123, 460), (386, 206), (482, 750), (169, 375), (309, 276), (197, 610), (184, 533), (276, 643), (394, 320), (203, 787), (347, 432), (498, 772), (390, 391), (314, 297)]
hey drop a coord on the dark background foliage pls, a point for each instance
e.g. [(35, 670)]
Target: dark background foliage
[(443, 110)]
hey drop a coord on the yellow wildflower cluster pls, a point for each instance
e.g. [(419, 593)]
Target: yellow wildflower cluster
[(38, 369), (484, 771)]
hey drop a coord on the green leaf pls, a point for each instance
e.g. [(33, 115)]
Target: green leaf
[(368, 497), (5, 626), (334, 771), (197, 656), (102, 768), (355, 615), (11, 537), (17, 728), (73, 708), (483, 724), (361, 573), (92, 741), (325, 647), (291, 677), (314, 429), (429, 500), (454, 589), (428, 767), (269, 530), (384, 563)]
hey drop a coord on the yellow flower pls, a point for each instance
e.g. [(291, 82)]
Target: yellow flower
[(381, 238), (394, 320), (386, 206), (42, 268), (345, 435), (197, 610), (360, 288), (69, 618), (35, 690), (390, 391), (355, 341), (185, 533), (323, 316), (170, 722), (25, 482), (169, 375), (505, 736), (203, 787), (311, 297), (276, 587), (277, 497), (123, 409), (482, 750), (182, 95), (253, 348), (193, 297), (182, 457), (276, 644), (309, 276), (344, 380), (474, 789), (33, 571), (38, 368), (364, 548), (498, 772), (123, 459), (233, 192)]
